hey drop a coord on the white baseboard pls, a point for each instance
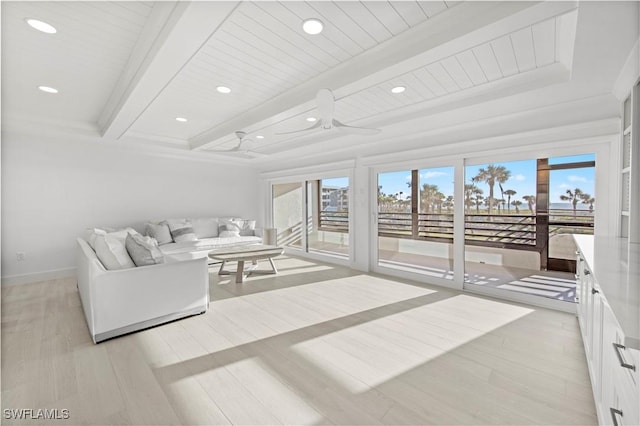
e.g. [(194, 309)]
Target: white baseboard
[(37, 276)]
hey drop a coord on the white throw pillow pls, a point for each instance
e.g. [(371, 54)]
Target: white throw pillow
[(92, 234), (246, 227), (143, 250), (160, 231), (181, 230), (120, 234), (205, 227), (111, 251)]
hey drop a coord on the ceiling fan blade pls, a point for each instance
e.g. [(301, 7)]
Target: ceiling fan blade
[(315, 126), (234, 149), (254, 154), (354, 130)]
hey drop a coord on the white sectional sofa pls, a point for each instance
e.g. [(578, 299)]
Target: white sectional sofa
[(209, 233), (117, 302), (119, 296)]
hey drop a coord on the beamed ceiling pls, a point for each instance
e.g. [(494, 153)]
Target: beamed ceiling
[(126, 70)]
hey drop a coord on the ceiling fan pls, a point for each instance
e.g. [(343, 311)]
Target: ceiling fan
[(326, 105), (243, 146)]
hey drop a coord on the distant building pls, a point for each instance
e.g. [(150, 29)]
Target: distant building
[(335, 199)]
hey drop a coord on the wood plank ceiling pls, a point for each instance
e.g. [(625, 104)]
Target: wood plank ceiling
[(259, 51)]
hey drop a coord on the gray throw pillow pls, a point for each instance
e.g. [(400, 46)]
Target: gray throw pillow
[(181, 230), (159, 231), (143, 250)]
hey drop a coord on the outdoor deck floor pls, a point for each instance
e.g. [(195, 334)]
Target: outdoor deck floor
[(551, 284)]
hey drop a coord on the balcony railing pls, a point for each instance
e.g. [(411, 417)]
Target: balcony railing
[(334, 221), (567, 221), (499, 230)]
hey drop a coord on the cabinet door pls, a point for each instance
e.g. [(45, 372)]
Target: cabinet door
[(619, 390), (588, 312), (609, 393), (596, 326)]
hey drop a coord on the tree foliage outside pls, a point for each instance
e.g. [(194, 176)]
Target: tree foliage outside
[(491, 175)]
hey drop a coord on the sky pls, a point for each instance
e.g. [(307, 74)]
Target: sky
[(522, 180)]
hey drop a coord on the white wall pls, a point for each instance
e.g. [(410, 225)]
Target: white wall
[(52, 190)]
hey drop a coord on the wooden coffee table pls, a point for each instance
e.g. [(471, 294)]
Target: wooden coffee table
[(243, 254)]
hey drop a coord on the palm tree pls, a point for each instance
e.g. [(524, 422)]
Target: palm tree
[(509, 193), (588, 199), (478, 200), (573, 197), (469, 190), (448, 203), (531, 200), (429, 196), (516, 204), (491, 175)]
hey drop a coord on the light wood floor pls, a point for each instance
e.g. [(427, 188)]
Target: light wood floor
[(316, 344)]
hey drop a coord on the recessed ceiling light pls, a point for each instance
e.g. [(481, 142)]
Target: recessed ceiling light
[(312, 26), (259, 137), (311, 119), (48, 89), (181, 119), (398, 89), (41, 26), (223, 89)]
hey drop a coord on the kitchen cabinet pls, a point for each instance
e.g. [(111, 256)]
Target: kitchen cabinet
[(608, 308)]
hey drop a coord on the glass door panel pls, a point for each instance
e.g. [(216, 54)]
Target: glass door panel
[(507, 224), (328, 216), (287, 202), (415, 221), (571, 207)]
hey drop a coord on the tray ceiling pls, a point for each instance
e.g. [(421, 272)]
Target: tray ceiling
[(127, 70)]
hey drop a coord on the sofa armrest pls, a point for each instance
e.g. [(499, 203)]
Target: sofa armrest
[(120, 299), (134, 295), (258, 232)]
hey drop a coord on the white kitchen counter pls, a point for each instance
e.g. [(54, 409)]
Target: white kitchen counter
[(615, 265)]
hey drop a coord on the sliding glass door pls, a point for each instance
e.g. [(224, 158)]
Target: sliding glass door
[(519, 217), (328, 216), (313, 215), (415, 221), (508, 232), (287, 204)]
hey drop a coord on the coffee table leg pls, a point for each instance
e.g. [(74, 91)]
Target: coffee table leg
[(222, 271), (273, 265), (240, 272)]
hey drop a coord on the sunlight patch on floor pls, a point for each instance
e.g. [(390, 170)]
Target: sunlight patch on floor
[(285, 310), (361, 357)]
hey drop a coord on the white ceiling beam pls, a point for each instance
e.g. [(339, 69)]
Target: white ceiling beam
[(458, 28), (174, 33)]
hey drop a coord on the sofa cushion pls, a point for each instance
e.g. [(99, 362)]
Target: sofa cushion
[(205, 227), (160, 231), (207, 244), (181, 230), (229, 234), (111, 251), (143, 250)]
